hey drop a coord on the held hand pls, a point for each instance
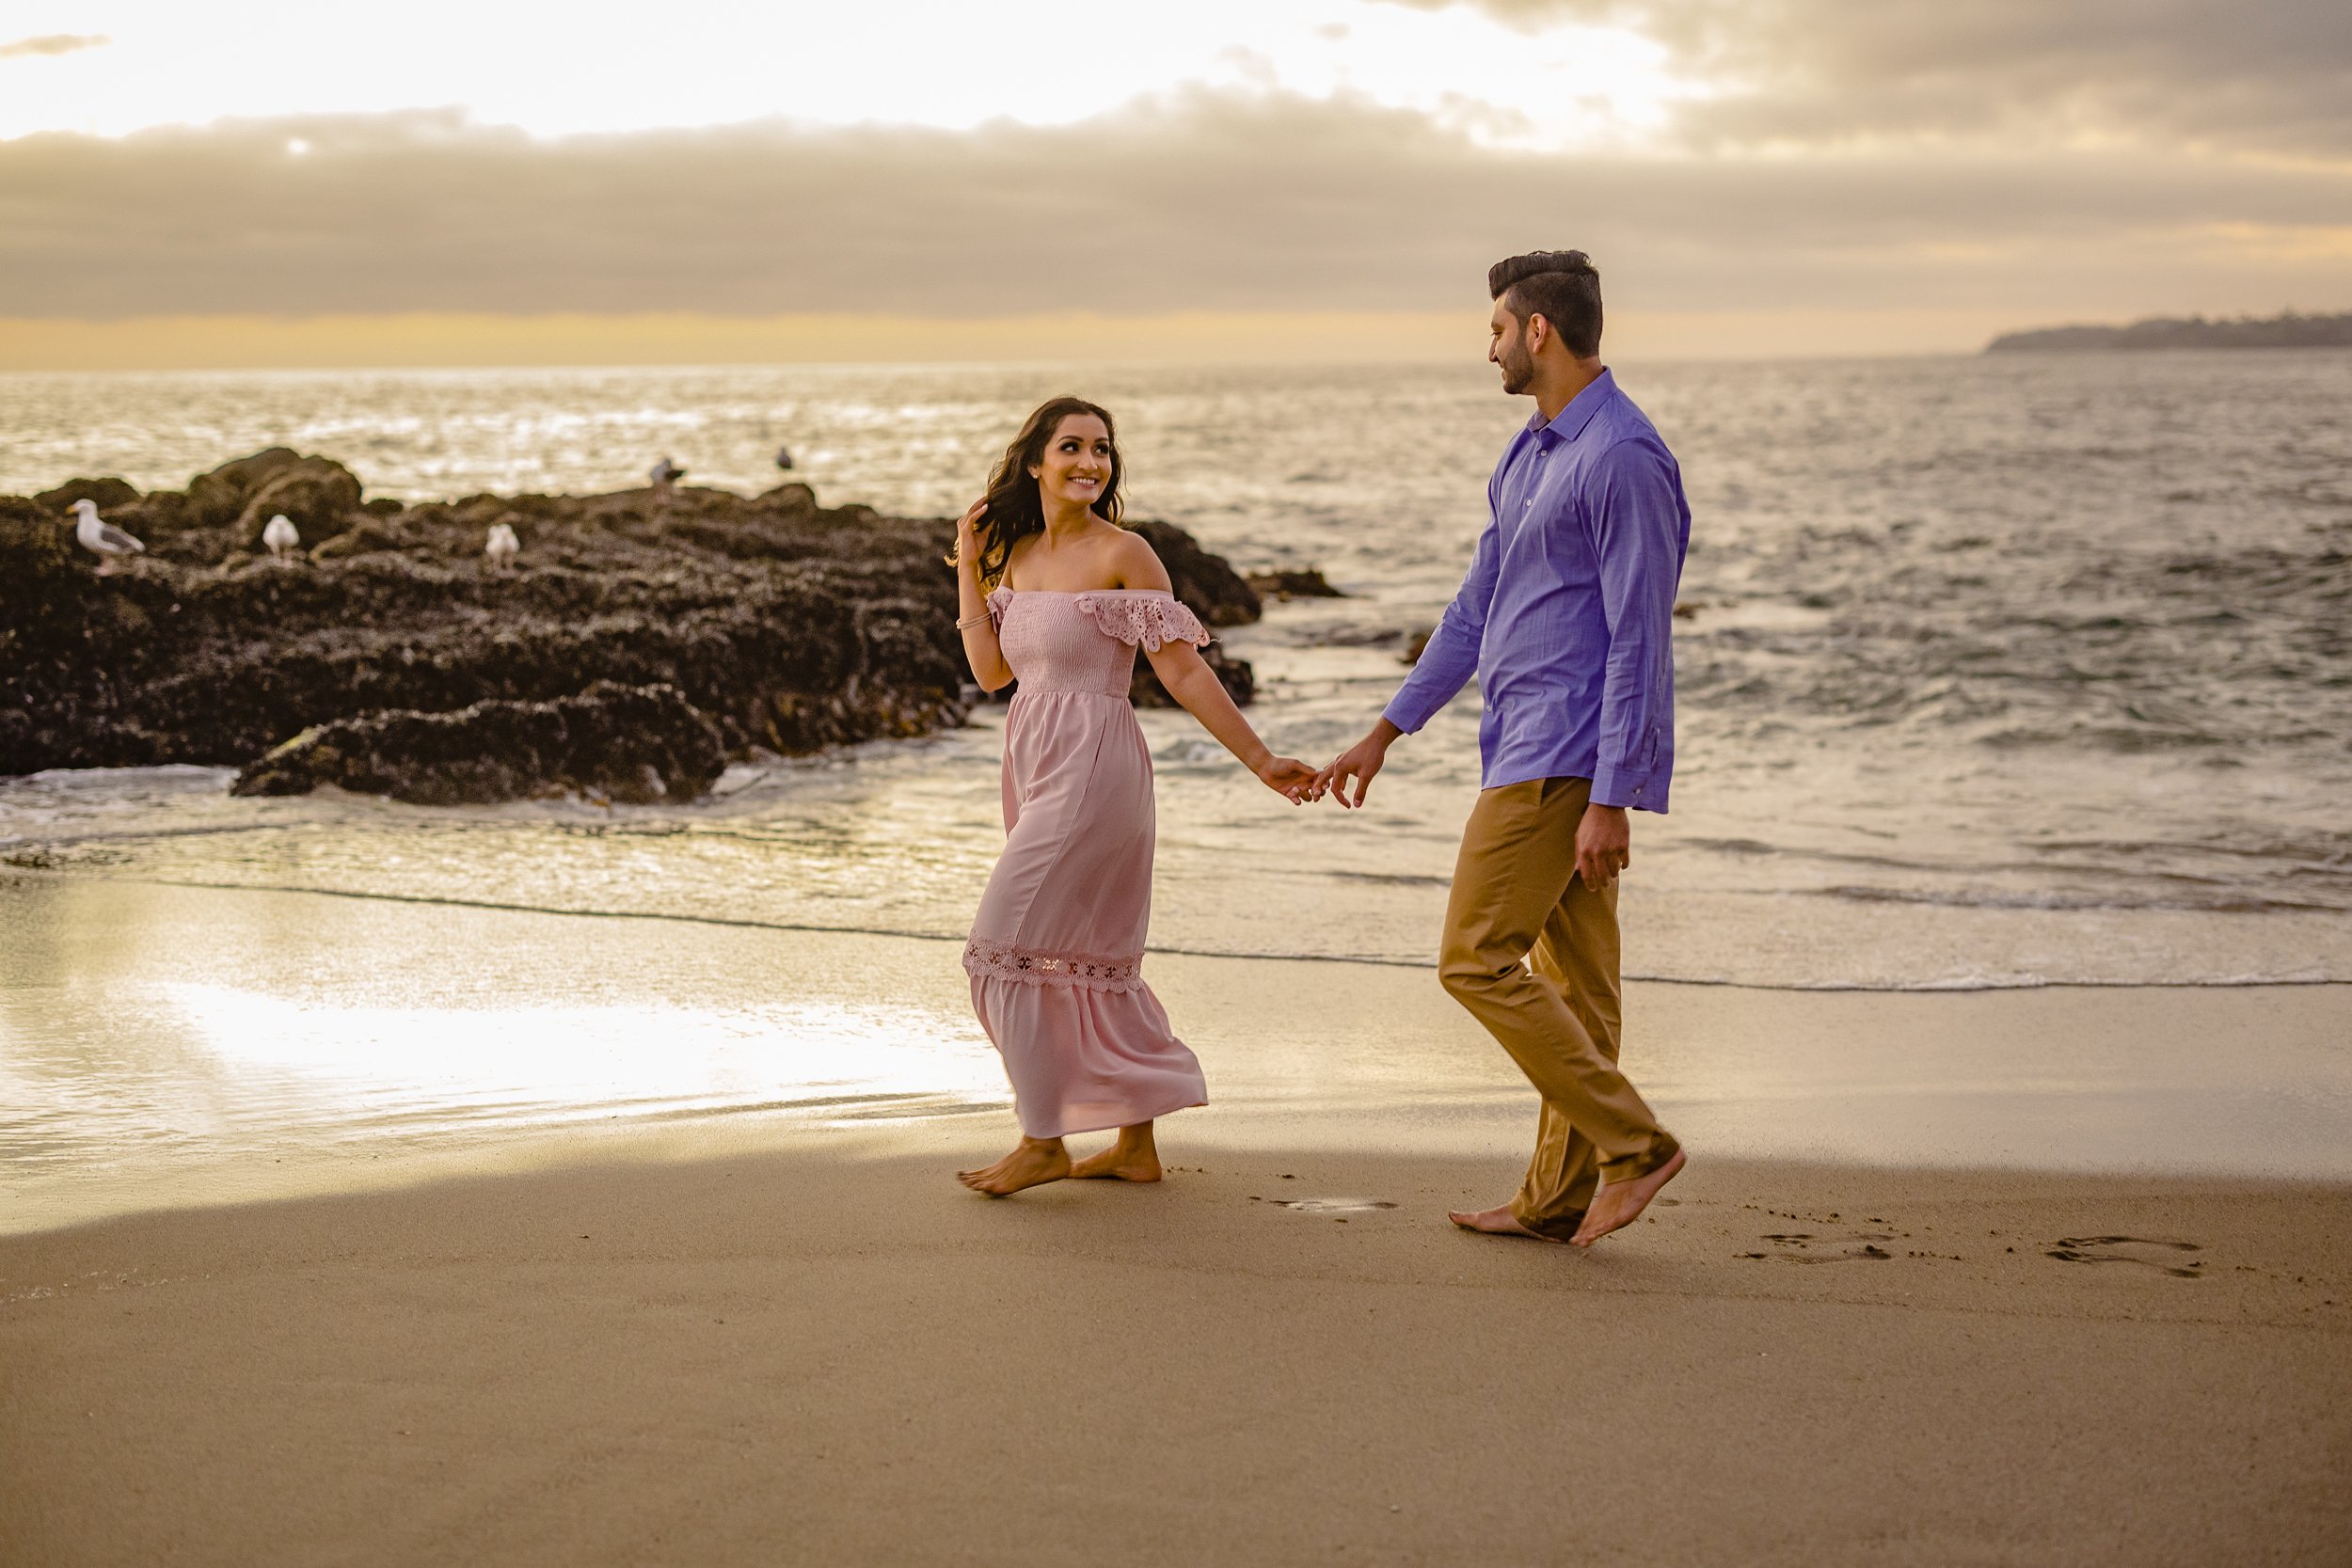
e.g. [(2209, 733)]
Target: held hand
[(1360, 762), (1604, 844), (1289, 778)]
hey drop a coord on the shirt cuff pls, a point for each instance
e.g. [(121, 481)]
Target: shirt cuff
[(1407, 714), (1622, 787)]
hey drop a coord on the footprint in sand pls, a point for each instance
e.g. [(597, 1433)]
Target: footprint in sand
[(1332, 1205), (2160, 1255), (1803, 1246)]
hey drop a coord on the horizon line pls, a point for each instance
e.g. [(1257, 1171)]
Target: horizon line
[(421, 340)]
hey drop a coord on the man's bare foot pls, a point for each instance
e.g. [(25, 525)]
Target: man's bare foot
[(1035, 1162), (1495, 1222), (1118, 1164), (1618, 1204)]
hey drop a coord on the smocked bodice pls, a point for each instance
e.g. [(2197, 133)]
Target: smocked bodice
[(1085, 641)]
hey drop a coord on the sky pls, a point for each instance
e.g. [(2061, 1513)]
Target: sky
[(246, 183)]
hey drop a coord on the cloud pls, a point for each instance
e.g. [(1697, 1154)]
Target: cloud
[(52, 43), (1203, 202), (2273, 76)]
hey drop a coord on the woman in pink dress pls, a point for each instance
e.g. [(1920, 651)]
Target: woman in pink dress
[(1056, 595)]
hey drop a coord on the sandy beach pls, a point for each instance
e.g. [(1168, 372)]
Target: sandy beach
[(826, 1352), (780, 1336), (561, 570)]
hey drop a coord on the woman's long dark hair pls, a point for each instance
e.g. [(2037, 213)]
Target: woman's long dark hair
[(1015, 507)]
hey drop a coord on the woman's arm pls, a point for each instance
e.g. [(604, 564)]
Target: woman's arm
[(1192, 682), (980, 648), (1189, 678)]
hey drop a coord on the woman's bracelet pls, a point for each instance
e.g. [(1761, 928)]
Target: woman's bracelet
[(972, 620)]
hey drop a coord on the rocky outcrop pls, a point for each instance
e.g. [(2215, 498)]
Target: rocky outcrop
[(100, 493), (1239, 679), (315, 494), (789, 626), (637, 744), (1205, 581), (1291, 583), (215, 499)]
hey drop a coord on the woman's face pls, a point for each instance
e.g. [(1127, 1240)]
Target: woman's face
[(1076, 467)]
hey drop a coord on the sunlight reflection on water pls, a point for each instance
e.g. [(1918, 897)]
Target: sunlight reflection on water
[(564, 1062), (129, 1030)]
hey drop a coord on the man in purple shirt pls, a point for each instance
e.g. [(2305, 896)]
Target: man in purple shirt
[(1566, 617)]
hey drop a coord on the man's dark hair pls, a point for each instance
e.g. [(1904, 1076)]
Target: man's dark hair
[(1561, 286)]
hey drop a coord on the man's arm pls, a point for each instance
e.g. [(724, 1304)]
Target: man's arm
[(1447, 661), (1639, 525), (1450, 657)]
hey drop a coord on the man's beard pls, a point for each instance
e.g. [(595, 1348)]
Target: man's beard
[(1518, 368)]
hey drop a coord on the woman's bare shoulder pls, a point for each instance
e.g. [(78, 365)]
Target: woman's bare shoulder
[(1136, 563)]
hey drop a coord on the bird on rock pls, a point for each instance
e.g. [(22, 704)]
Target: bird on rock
[(665, 474), (502, 547), (100, 538), (281, 536)]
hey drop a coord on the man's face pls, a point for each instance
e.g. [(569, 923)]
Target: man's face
[(1507, 348)]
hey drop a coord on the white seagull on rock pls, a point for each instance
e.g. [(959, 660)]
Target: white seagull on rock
[(502, 547), (101, 538), (666, 473), (281, 536)]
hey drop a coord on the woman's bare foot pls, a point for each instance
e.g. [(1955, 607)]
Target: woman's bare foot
[(1116, 1165), (1036, 1162), (1132, 1158), (1618, 1204), (1495, 1222)]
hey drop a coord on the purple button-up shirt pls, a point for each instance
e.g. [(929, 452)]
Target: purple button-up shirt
[(1567, 610)]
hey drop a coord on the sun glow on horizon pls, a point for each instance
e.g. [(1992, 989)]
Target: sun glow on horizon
[(269, 182), (609, 69)]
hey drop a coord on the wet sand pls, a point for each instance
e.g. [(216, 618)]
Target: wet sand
[(2059, 1277), (172, 1045)]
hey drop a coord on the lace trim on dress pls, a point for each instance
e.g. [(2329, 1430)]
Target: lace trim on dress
[(1000, 960), (1150, 619)]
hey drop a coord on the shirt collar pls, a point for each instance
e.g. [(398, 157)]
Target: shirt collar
[(1577, 415)]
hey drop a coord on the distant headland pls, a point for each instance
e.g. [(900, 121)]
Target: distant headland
[(2288, 330)]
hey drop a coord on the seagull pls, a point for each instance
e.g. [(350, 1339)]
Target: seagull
[(281, 536), (101, 539), (667, 472), (502, 547), (783, 458)]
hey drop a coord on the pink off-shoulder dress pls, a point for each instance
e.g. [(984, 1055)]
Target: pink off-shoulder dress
[(1057, 950)]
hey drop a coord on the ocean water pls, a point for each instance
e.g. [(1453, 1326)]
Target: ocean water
[(1996, 672)]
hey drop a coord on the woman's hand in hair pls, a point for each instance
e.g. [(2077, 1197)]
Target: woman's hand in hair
[(967, 526)]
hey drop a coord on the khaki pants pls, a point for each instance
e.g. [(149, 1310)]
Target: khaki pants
[(1517, 896)]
